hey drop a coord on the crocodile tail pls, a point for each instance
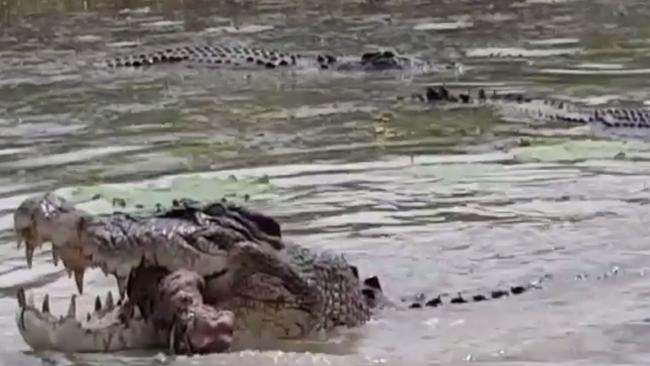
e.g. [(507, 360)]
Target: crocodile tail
[(421, 301), (375, 298), (623, 117)]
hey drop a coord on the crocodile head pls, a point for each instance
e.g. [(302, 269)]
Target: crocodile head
[(123, 246), (237, 276), (388, 60)]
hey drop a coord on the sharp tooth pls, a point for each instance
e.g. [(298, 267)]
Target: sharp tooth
[(29, 255), (98, 303), (72, 309), (79, 280), (21, 298), (109, 301), (45, 308), (172, 340), (121, 285), (30, 300), (55, 257), (19, 243), (69, 272)]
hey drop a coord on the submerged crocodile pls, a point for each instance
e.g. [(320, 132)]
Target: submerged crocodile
[(518, 107), (261, 58), (194, 278)]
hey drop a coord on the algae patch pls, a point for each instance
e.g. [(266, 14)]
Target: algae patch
[(151, 195), (551, 149)]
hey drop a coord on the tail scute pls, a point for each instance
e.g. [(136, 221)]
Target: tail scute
[(421, 301)]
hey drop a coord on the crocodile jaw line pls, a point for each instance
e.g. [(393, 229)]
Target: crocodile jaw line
[(111, 328)]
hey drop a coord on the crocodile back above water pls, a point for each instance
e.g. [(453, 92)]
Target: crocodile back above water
[(516, 107), (237, 57)]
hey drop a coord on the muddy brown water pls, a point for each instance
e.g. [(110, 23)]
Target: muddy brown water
[(431, 201)]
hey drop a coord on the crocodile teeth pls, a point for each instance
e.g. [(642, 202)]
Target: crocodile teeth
[(21, 298), (55, 257), (72, 309), (29, 255), (79, 280), (171, 340), (98, 303), (121, 285), (45, 308), (30, 300), (109, 301)]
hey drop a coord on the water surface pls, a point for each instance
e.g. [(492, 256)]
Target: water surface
[(431, 201)]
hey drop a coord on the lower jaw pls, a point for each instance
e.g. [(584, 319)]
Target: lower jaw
[(105, 330)]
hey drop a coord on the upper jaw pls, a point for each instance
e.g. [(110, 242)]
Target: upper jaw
[(80, 241), (118, 243), (49, 218)]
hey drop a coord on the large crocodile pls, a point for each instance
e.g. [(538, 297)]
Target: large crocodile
[(520, 107), (195, 278), (236, 57)]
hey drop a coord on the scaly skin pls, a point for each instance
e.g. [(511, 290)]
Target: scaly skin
[(260, 58), (544, 109)]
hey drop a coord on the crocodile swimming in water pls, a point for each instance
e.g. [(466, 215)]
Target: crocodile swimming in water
[(194, 278), (236, 57), (633, 121)]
